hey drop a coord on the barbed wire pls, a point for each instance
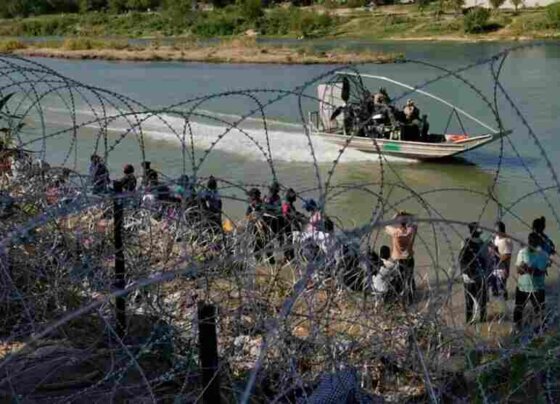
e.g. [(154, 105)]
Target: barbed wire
[(297, 319)]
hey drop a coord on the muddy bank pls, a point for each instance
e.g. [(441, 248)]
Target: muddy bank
[(219, 54)]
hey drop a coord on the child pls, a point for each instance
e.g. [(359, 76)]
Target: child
[(382, 280)]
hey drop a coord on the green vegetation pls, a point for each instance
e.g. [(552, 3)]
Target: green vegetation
[(284, 21), (476, 20), (496, 4), (10, 45), (230, 20), (553, 14), (531, 372), (225, 18), (237, 50)]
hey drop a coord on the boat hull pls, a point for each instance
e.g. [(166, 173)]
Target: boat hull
[(411, 150)]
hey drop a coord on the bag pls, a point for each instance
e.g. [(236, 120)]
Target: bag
[(471, 259)]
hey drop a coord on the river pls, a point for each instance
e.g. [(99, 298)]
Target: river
[(457, 191)]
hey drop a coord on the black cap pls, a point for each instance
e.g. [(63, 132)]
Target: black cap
[(473, 229)]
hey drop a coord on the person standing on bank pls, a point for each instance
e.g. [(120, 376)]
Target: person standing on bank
[(402, 238), (473, 260), (99, 175), (128, 179), (531, 265), (545, 243), (503, 248)]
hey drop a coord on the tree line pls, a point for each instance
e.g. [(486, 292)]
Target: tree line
[(26, 8)]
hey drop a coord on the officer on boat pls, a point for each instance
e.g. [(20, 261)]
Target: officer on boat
[(411, 113)]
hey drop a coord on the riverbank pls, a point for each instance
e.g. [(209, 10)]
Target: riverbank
[(229, 51), (396, 22)]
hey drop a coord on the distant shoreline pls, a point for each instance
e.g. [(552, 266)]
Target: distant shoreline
[(392, 23), (229, 52)]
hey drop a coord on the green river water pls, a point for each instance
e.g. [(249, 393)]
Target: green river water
[(453, 190)]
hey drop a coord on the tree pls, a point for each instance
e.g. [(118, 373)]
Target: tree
[(221, 3), (496, 4), (141, 5), (17, 8), (422, 4), (553, 15), (117, 6), (24, 8), (516, 4), (457, 5), (476, 20), (62, 6), (179, 12), (92, 5), (251, 9)]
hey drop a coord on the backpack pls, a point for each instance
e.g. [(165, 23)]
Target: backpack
[(471, 259)]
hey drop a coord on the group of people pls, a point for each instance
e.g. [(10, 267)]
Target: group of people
[(485, 266), (408, 119), (179, 192), (276, 220), (485, 262)]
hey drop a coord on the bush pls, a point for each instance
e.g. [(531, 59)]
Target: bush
[(11, 45), (553, 15), (456, 5), (476, 20), (92, 5), (180, 12), (219, 23), (78, 44), (48, 26), (356, 3), (24, 8), (117, 6), (251, 9), (516, 4), (283, 21), (496, 4), (423, 4)]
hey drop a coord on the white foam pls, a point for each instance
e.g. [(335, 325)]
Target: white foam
[(284, 140), (253, 143)]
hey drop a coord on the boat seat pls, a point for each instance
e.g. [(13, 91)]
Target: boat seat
[(410, 133)]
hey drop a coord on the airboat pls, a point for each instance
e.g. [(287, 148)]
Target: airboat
[(348, 116)]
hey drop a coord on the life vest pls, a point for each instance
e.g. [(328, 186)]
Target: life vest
[(455, 137)]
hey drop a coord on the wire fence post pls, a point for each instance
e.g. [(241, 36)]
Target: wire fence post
[(208, 348), (120, 301)]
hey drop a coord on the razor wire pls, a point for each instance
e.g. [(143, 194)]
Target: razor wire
[(289, 330)]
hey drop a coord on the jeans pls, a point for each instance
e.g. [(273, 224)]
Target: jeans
[(521, 300), (475, 292), (405, 285)]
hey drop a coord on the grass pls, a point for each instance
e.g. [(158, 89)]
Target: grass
[(388, 22), (11, 45), (236, 50), (412, 22)]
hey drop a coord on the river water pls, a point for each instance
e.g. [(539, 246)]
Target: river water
[(457, 190)]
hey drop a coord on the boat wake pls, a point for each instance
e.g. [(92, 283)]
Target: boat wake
[(279, 141)]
